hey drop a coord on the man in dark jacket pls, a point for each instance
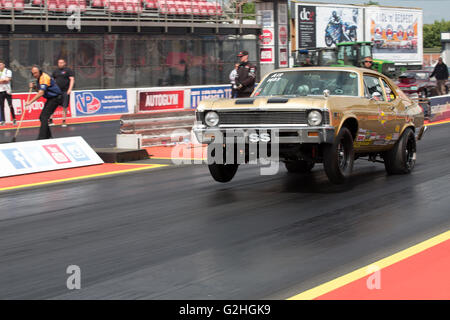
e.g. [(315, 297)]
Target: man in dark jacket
[(246, 76), (440, 72)]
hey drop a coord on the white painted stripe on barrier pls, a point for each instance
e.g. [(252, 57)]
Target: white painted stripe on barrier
[(45, 155)]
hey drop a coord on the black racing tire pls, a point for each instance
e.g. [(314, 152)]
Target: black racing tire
[(401, 159), (299, 166), (222, 172), (338, 157)]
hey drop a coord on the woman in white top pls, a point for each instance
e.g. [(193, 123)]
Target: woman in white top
[(5, 92)]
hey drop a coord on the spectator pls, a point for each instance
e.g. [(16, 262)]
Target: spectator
[(440, 72), (368, 62), (65, 79), (5, 92), (233, 76), (246, 77)]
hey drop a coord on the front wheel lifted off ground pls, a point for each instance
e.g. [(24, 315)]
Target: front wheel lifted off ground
[(338, 157), (221, 172), (402, 157)]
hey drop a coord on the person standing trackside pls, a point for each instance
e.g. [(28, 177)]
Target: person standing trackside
[(65, 79), (440, 72), (246, 76), (233, 76), (5, 92), (47, 88)]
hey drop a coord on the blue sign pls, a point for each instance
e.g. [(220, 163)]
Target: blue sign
[(101, 102), (199, 94), (16, 158), (37, 157), (75, 151)]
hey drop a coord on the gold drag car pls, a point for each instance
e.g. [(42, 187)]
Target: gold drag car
[(329, 115)]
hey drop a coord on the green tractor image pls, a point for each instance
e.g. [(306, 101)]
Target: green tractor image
[(344, 54)]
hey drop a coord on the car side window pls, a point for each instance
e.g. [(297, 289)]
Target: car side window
[(390, 95), (372, 85)]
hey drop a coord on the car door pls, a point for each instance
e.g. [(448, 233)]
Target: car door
[(394, 111), (373, 128)]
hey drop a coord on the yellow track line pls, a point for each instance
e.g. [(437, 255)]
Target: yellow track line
[(365, 271), (95, 175)]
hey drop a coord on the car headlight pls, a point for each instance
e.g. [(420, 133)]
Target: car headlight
[(314, 118), (211, 119)]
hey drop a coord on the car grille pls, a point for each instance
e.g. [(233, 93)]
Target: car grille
[(265, 117)]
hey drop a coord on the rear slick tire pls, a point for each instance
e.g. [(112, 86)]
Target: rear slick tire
[(338, 157), (401, 159)]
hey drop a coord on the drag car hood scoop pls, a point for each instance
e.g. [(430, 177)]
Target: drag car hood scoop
[(270, 100)]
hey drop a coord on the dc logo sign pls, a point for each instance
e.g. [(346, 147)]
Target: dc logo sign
[(306, 14), (86, 103)]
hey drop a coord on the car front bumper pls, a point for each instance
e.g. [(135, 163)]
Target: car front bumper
[(278, 134)]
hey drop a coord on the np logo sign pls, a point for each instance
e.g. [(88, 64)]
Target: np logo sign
[(101, 102), (86, 103)]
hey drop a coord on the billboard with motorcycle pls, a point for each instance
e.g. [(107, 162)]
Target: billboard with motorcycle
[(339, 24), (325, 25), (396, 33)]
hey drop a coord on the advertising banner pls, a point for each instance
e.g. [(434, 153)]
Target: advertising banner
[(267, 37), (266, 55), (396, 34), (283, 57), (326, 25), (306, 26), (98, 102), (160, 100), (440, 108), (45, 155), (199, 94), (283, 35), (33, 111)]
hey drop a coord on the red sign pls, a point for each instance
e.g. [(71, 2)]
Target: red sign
[(34, 110), (266, 37), (56, 153), (283, 57), (266, 55), (161, 100), (283, 35)]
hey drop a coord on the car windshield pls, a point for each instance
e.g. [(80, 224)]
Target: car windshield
[(416, 75), (312, 82), (422, 75)]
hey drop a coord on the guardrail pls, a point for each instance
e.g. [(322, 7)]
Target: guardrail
[(157, 128)]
